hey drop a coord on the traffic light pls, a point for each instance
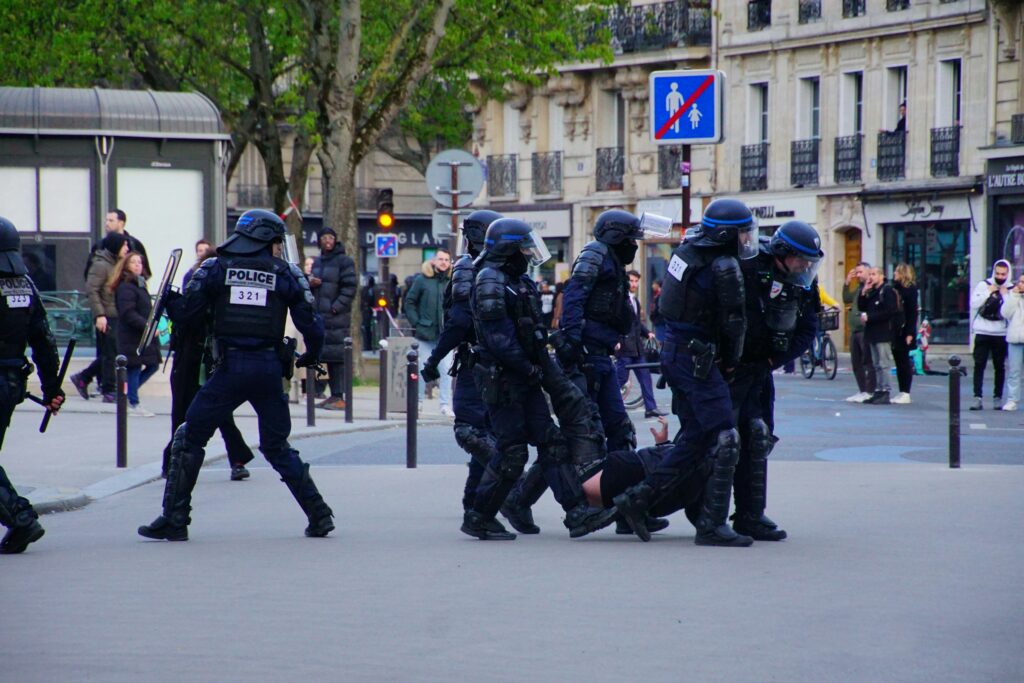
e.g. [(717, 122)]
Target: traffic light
[(380, 298), (385, 208)]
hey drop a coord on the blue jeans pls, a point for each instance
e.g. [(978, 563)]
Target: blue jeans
[(445, 381), (1015, 358), (138, 376), (643, 378)]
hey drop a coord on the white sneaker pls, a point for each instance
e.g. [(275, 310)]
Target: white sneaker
[(862, 396), (447, 412), (856, 398), (902, 397), (139, 411), (1009, 406)]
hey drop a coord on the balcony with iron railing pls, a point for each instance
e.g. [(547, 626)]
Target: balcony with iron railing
[(897, 5), (892, 155), (803, 162), (547, 174), (502, 176), (945, 152), (1017, 129), (810, 10), (669, 158), (847, 159), (759, 14), (854, 8), (611, 167), (658, 26), (754, 167), (252, 197)]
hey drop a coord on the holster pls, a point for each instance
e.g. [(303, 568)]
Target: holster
[(488, 381), (286, 354), (703, 357), (465, 357)]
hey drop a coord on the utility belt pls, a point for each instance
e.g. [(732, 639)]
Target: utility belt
[(464, 357), (702, 352), (17, 379), (496, 385), (285, 350)]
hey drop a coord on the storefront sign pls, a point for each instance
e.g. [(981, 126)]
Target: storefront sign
[(1005, 176), (550, 224), (778, 210)]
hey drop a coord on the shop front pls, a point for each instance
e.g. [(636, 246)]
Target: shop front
[(1004, 186), (554, 223)]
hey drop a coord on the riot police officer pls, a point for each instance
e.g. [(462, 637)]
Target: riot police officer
[(506, 312), (702, 299), (782, 316), (472, 428), (249, 291), (22, 320), (596, 312)]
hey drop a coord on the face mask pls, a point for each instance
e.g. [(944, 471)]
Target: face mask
[(626, 251), (516, 264), (1000, 281)]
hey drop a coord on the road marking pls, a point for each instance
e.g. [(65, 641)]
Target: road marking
[(978, 425)]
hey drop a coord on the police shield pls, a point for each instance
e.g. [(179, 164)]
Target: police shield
[(161, 299)]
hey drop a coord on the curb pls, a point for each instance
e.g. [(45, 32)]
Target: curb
[(59, 499)]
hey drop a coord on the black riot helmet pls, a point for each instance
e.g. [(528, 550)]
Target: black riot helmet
[(513, 242), (727, 222), (474, 229), (616, 226), (797, 248), (10, 249), (254, 231)]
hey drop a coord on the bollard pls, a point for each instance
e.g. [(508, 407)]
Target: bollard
[(955, 371), (412, 402), (311, 397), (121, 378), (383, 405), (348, 379)]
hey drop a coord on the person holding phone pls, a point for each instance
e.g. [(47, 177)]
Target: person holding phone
[(1012, 311)]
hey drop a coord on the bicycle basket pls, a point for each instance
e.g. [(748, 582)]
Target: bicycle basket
[(828, 320)]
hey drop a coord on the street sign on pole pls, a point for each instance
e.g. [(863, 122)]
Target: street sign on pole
[(454, 177), (387, 246), (441, 224), (686, 106)]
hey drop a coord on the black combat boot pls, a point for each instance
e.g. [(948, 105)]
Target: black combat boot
[(759, 528), (632, 505), (517, 508), (312, 503), (653, 524), (711, 527), (17, 513), (485, 528), (750, 518), (182, 473), (583, 519)]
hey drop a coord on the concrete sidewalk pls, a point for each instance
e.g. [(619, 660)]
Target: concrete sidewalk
[(74, 463)]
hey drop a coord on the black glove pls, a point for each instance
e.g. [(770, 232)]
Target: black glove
[(306, 360), (535, 376), (567, 351), (430, 373)]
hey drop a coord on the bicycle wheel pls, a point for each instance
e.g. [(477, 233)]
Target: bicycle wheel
[(632, 397), (829, 358), (807, 364)]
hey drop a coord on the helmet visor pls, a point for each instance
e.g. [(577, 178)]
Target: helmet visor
[(533, 248), (800, 270), (747, 244), (653, 227)]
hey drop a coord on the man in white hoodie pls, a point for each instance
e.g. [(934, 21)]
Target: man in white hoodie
[(1013, 312), (989, 329)]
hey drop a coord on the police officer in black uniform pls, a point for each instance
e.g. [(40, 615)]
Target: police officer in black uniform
[(596, 312), (22, 320), (782, 317), (472, 427), (702, 299), (506, 312), (250, 292)]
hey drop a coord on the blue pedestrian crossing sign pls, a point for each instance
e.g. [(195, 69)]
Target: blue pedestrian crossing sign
[(686, 106), (387, 246)]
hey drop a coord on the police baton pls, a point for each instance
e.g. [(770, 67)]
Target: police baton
[(60, 381)]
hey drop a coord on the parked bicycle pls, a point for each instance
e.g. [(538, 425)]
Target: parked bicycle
[(823, 352)]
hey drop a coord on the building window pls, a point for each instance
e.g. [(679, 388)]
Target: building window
[(754, 167), (758, 119), (759, 14), (810, 106), (895, 96), (854, 8), (810, 10), (502, 177), (547, 174), (897, 5), (948, 98)]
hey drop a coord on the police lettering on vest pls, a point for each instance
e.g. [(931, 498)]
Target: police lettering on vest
[(17, 295), (248, 304)]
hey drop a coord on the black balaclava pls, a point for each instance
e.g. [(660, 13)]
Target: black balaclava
[(626, 250)]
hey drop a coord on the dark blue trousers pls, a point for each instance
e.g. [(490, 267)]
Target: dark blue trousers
[(605, 391), (470, 410)]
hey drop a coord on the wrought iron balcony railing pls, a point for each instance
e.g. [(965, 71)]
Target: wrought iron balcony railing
[(854, 8), (754, 167), (502, 178), (810, 10), (892, 155), (611, 166), (668, 167), (803, 162), (1017, 129), (847, 155), (946, 152), (759, 14), (547, 174), (897, 5), (253, 197), (660, 25)]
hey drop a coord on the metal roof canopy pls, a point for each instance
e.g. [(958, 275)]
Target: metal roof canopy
[(116, 113)]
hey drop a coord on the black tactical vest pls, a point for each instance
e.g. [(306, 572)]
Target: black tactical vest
[(679, 301), (778, 303), (248, 304), (608, 300), (17, 297)]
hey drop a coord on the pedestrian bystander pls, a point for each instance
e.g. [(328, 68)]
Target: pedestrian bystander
[(989, 329), (425, 311), (104, 312), (334, 285), (1013, 311), (904, 329), (631, 350), (133, 308), (878, 306), (860, 354)]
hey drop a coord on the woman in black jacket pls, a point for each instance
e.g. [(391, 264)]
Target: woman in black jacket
[(334, 283), (905, 330), (133, 307)]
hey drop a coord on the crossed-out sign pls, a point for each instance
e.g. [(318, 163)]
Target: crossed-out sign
[(686, 106), (387, 246)]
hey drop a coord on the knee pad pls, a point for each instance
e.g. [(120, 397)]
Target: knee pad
[(760, 440), (477, 442), (513, 461), (727, 448)]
